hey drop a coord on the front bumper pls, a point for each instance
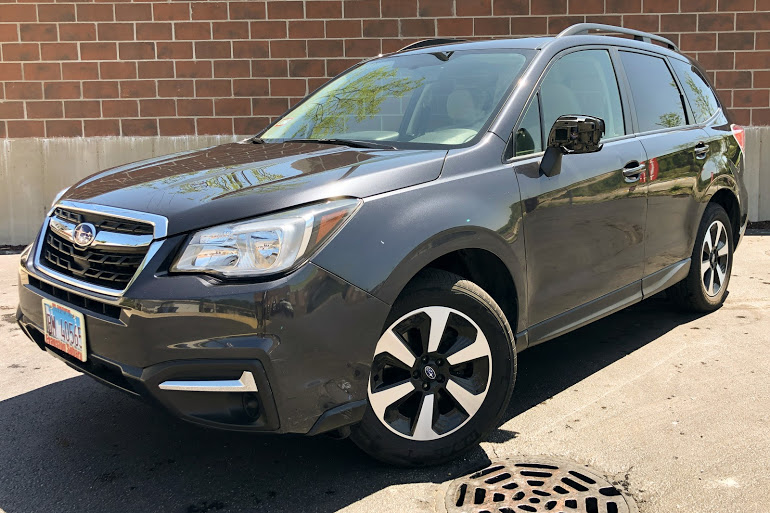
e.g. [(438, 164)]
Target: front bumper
[(306, 338)]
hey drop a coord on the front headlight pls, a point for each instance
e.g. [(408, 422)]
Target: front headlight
[(266, 245)]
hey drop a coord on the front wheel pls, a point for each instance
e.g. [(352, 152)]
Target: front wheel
[(442, 374)]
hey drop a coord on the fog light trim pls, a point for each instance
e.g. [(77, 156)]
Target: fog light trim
[(246, 383)]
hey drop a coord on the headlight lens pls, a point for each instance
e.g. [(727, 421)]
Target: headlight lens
[(266, 245)]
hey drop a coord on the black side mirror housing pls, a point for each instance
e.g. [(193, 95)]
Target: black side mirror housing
[(571, 134)]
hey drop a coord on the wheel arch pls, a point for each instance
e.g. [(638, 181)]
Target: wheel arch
[(727, 199)]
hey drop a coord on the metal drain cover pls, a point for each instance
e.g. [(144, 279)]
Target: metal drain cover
[(531, 484)]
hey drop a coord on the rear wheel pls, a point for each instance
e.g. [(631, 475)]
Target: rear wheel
[(442, 373)]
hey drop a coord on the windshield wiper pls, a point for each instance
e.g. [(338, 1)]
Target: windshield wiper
[(352, 143)]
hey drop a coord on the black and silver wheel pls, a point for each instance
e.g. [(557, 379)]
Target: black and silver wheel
[(705, 288), (442, 373)]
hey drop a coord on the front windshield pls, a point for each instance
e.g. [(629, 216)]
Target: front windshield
[(440, 98)]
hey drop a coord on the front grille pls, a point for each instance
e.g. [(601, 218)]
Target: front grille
[(83, 303), (108, 266)]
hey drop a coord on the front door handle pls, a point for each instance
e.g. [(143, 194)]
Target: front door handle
[(633, 171), (701, 150)]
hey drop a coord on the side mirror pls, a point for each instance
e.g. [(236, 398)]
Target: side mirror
[(571, 134)]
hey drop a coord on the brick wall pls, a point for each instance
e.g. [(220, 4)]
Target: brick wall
[(222, 67)]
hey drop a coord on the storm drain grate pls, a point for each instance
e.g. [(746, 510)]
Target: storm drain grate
[(533, 484)]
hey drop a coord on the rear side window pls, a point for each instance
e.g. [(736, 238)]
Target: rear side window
[(702, 100), (583, 83), (657, 98)]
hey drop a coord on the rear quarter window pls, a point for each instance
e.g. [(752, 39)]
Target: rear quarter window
[(700, 96)]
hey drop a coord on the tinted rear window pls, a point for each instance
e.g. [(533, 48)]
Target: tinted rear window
[(656, 96), (702, 100)]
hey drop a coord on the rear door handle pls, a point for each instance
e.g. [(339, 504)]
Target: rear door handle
[(633, 171), (701, 150)]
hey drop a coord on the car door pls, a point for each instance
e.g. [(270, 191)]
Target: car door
[(676, 153), (583, 227)]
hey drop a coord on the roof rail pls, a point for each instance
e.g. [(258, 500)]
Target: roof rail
[(431, 42), (585, 28)]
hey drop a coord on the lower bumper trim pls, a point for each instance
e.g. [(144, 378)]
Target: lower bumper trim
[(245, 383)]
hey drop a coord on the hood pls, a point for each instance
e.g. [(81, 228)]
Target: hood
[(201, 188)]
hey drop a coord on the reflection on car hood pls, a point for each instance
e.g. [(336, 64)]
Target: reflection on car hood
[(200, 188)]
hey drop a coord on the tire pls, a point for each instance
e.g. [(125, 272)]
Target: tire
[(461, 381), (705, 287)]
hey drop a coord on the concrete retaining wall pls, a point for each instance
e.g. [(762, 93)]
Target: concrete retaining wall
[(32, 171)]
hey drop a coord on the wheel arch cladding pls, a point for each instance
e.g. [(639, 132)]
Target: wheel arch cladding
[(726, 198)]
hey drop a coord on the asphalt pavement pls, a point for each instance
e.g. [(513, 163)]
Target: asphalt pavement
[(675, 408)]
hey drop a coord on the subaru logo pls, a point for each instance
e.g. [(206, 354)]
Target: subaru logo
[(84, 234), (429, 372)]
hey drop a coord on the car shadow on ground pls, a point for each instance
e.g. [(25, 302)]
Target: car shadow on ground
[(78, 446)]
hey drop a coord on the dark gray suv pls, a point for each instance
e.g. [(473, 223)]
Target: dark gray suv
[(373, 261)]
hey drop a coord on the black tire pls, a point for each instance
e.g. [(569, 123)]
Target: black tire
[(444, 289), (690, 294)]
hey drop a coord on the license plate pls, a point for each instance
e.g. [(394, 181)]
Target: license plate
[(65, 329)]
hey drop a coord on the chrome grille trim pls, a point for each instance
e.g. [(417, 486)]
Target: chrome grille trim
[(104, 238)]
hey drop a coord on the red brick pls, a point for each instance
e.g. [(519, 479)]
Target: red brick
[(59, 51), (133, 12), (44, 110), (362, 47), (138, 89), (98, 51), (324, 9), (761, 79), (21, 52), (434, 8), (646, 22), (383, 28), (697, 5), (324, 48), (249, 125), (232, 107), (763, 5), (717, 60), (196, 107), (115, 31), (558, 23), (55, 12), (288, 48), (214, 126), (499, 7), (11, 110), (38, 32), (306, 29), (139, 127), (406, 8), (176, 88), (733, 79), (736, 5), (343, 28), (736, 41), (63, 128), (23, 90), (3, 133), (209, 11), (607, 19), (61, 90), (306, 68), (760, 117), (361, 8), (8, 32), (100, 89), (752, 60), (82, 109), (455, 27), (751, 98), (192, 30), (175, 50), (10, 71), (752, 21), (274, 67), (679, 22), (42, 71), (716, 22), (25, 128), (247, 11), (101, 127), (491, 26), (549, 7), (250, 87), (171, 11), (286, 87), (417, 28), (336, 66), (136, 51), (117, 70), (586, 6), (176, 126), (231, 30), (269, 106), (193, 69), (120, 108), (154, 31), (698, 42), (77, 32), (285, 10), (763, 41), (155, 107), (155, 69), (216, 88), (19, 12), (534, 25), (95, 12), (232, 68), (250, 49), (268, 29), (213, 50)]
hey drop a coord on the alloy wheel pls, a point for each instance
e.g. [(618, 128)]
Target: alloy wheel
[(715, 256), (431, 373)]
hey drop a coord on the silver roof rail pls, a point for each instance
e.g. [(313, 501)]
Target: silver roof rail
[(432, 42), (585, 28)]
